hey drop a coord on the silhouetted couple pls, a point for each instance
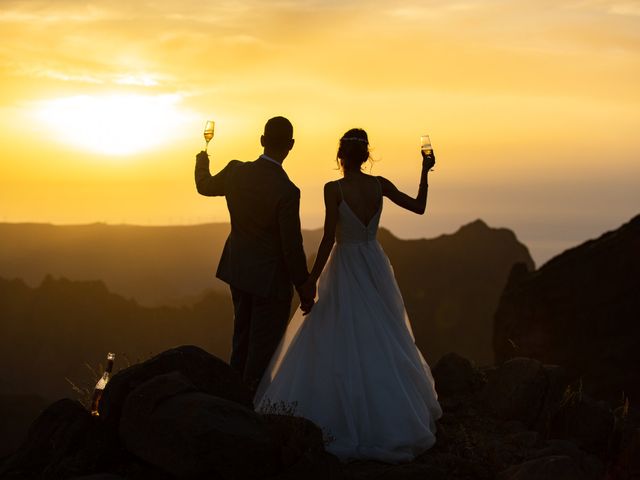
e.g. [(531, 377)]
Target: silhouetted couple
[(346, 360)]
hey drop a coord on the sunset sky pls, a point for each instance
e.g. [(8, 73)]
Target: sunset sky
[(533, 107)]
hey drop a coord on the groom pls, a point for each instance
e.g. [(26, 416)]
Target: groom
[(263, 257)]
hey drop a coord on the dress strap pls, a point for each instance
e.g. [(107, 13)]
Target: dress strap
[(340, 187)]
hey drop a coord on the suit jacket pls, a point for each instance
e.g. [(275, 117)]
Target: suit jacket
[(263, 254)]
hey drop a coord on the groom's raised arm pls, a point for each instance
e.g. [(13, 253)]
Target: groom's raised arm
[(291, 237), (207, 184)]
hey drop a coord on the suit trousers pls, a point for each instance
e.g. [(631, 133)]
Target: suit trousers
[(259, 324)]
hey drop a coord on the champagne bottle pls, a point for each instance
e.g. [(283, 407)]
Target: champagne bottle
[(102, 382)]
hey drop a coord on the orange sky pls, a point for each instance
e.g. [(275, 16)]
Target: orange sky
[(533, 107)]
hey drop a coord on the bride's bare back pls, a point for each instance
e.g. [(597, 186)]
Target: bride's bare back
[(363, 195)]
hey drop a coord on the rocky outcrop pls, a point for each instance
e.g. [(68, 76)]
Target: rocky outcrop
[(63, 441), (205, 372), (525, 390), (455, 375), (586, 422), (580, 310), (167, 422), (506, 422), (181, 414)]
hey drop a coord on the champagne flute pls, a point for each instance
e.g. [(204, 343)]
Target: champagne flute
[(208, 132), (425, 146)]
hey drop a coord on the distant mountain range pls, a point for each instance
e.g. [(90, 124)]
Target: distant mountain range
[(49, 328), (154, 265), (63, 328)]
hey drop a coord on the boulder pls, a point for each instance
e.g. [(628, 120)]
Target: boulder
[(516, 391), (524, 390), (591, 466), (525, 439), (169, 423), (63, 441), (589, 424), (556, 467), (206, 372), (627, 464), (297, 437), (455, 375)]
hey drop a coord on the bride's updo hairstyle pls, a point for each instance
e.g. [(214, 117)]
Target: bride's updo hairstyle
[(353, 150)]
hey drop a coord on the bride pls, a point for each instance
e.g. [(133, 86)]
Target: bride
[(351, 365)]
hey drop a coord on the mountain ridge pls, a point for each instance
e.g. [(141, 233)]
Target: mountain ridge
[(156, 265)]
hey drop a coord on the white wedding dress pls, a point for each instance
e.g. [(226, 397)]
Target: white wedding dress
[(351, 365)]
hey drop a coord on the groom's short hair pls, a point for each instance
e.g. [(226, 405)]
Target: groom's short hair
[(278, 133)]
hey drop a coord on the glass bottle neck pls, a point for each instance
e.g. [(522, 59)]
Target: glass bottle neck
[(109, 366)]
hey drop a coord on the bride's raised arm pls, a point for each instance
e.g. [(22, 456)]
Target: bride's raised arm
[(419, 203), (331, 201)]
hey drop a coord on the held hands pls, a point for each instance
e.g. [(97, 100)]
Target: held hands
[(428, 161), (307, 293), (201, 156)]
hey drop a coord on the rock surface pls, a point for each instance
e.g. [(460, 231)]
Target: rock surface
[(525, 390), (627, 465), (64, 440), (579, 310), (589, 424), (170, 426), (455, 375), (181, 414), (206, 372), (168, 423), (554, 467)]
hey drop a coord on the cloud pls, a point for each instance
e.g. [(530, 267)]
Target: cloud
[(613, 7), (45, 13), (66, 77), (493, 45), (137, 80), (628, 9)]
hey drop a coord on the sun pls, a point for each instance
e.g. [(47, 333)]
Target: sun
[(114, 124)]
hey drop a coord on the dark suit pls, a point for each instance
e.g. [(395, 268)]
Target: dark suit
[(262, 258)]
